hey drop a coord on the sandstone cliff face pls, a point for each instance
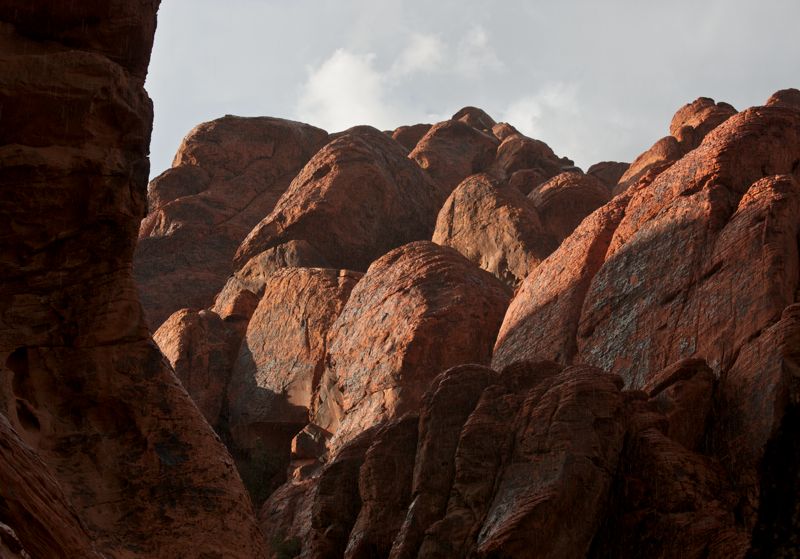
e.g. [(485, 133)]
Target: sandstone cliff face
[(643, 397), (496, 227), (361, 173), (419, 309), (227, 175), (278, 368), (85, 392), (566, 199), (700, 262)]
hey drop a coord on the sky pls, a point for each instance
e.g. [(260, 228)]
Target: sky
[(595, 80)]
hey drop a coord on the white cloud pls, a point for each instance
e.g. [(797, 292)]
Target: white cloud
[(552, 115), (424, 53), (533, 113), (345, 90), (475, 55)]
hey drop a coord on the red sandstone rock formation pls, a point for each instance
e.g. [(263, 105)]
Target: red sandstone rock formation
[(131, 465), (241, 293), (227, 175), (475, 117), (496, 227), (567, 198), (419, 309), (363, 174), (701, 262), (201, 348), (453, 150), (517, 152), (693, 121), (789, 98), (409, 136), (690, 124), (609, 172), (542, 319), (685, 286), (278, 367)]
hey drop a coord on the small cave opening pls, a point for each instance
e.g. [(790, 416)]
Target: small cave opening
[(777, 531)]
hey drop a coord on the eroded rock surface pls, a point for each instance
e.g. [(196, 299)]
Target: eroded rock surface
[(566, 199), (453, 150), (278, 368), (389, 342), (366, 403), (495, 226), (83, 386), (227, 175), (364, 174)]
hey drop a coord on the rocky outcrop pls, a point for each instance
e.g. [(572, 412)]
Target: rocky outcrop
[(243, 290), (538, 443), (563, 201), (419, 309), (409, 136), (689, 126), (693, 121), (361, 173), (453, 150), (201, 348), (609, 172), (495, 226), (638, 323), (227, 175), (789, 98), (277, 370), (666, 500), (384, 485), (517, 152), (542, 319), (34, 503), (367, 403), (725, 217), (475, 117), (647, 166), (83, 386)]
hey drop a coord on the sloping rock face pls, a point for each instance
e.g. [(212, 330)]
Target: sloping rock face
[(789, 98), (361, 173), (689, 126), (34, 502), (542, 319), (538, 444), (389, 342), (695, 215), (644, 398), (518, 153), (278, 368), (491, 467), (496, 227), (201, 348), (475, 117), (693, 121), (85, 391), (227, 175), (701, 262)]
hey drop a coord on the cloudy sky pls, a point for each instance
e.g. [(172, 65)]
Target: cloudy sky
[(595, 80)]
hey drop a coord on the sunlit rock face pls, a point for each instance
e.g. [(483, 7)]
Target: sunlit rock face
[(226, 176), (581, 365)]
